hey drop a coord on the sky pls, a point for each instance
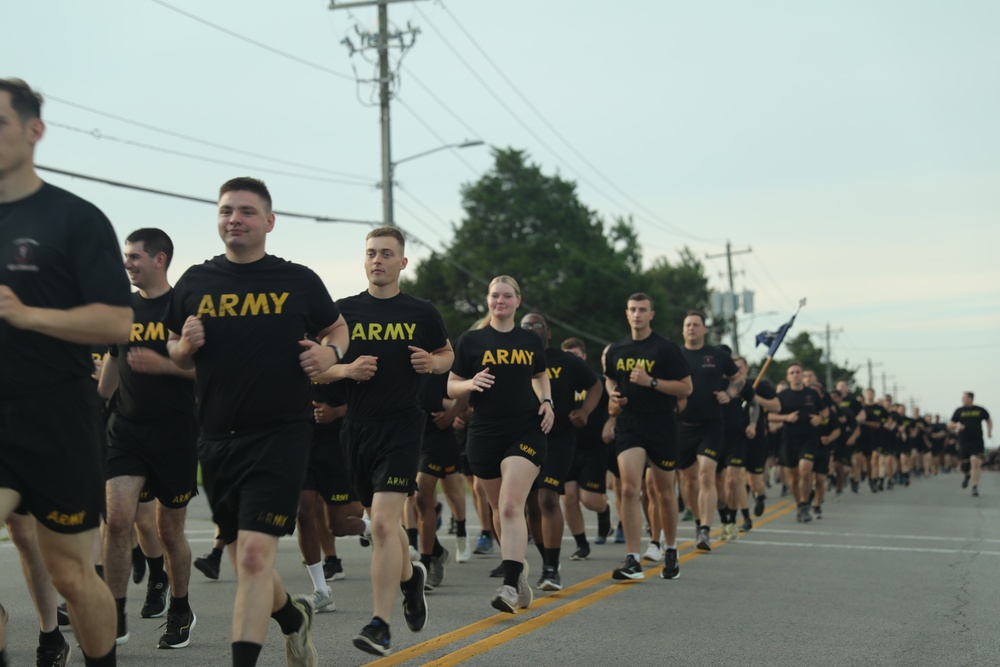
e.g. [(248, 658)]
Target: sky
[(853, 147)]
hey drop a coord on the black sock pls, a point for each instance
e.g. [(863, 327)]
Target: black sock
[(541, 550), (156, 568), (460, 528), (120, 605), (216, 555), (697, 525), (488, 534), (289, 617), (426, 560), (137, 552), (179, 605), (724, 515), (245, 654), (551, 557), (438, 549), (108, 660), (100, 570), (581, 540), (51, 638), (511, 572), (680, 505), (411, 535), (746, 513)]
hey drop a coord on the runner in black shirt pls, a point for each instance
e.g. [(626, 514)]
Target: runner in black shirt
[(873, 436), (244, 320), (61, 290), (968, 422), (568, 375), (800, 413), (645, 374), (701, 429), (500, 369), (395, 338), (153, 433)]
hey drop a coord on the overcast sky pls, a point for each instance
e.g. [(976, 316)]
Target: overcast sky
[(854, 146)]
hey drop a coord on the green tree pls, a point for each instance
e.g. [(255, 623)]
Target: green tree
[(569, 264), (802, 349)]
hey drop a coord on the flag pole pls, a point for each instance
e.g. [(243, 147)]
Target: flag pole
[(774, 349)]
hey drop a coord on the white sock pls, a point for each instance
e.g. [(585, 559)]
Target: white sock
[(368, 525), (319, 579)]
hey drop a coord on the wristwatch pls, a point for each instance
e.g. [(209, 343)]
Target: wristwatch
[(336, 351), (652, 383)]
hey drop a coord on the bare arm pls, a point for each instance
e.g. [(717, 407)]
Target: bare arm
[(579, 416), (108, 382), (91, 324)]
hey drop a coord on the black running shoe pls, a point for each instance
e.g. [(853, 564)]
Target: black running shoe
[(581, 553), (333, 569), (975, 492), (604, 525), (550, 580), (630, 569), (855, 486), (52, 656), (671, 568), (965, 482), (62, 614), (138, 565), (178, 632), (818, 511), (497, 572), (758, 505), (746, 526), (121, 634), (156, 599), (703, 541), (414, 600), (373, 638), (208, 566)]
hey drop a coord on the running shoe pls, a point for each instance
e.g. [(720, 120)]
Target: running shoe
[(975, 492), (333, 568), (435, 574), (619, 534), (208, 566), (703, 541), (630, 569), (965, 481), (299, 648), (550, 580), (156, 598), (603, 525), (758, 505), (505, 600), (746, 526), (414, 601), (62, 614), (138, 565), (497, 572), (178, 632), (322, 601), (671, 568), (653, 553), (818, 511), (462, 551), (582, 553), (484, 545), (373, 638), (524, 593), (50, 656), (121, 633)]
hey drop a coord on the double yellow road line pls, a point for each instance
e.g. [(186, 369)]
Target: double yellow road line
[(606, 587)]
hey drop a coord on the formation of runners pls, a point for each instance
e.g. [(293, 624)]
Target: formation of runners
[(342, 417)]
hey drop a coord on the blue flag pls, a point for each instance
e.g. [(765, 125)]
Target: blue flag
[(773, 339)]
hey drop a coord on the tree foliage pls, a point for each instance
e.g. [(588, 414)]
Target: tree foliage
[(802, 349), (570, 265)]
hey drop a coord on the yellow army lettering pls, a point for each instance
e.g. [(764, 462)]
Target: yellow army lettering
[(527, 450), (509, 357), (75, 519), (554, 372), (397, 481), (629, 364), (579, 395), (339, 498), (272, 519), (183, 498), (252, 304), (150, 331), (667, 465), (434, 467), (390, 331), (550, 481), (592, 485)]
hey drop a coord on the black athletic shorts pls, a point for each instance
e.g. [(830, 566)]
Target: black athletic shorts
[(165, 452), (734, 451), (52, 454), (968, 449), (842, 452), (560, 450), (700, 440), (253, 480), (326, 473), (590, 467), (613, 459), (794, 448), (439, 455), (821, 462), (490, 442), (383, 452), (756, 455), (655, 433)]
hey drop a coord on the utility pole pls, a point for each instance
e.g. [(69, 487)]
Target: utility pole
[(829, 356), (871, 378), (732, 289), (381, 42)]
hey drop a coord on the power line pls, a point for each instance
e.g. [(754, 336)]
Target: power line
[(652, 217), (97, 134), (437, 136), (266, 47), (205, 142), (200, 200)]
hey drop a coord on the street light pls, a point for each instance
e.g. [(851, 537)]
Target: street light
[(387, 209)]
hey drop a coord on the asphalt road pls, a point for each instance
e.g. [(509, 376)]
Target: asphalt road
[(903, 577)]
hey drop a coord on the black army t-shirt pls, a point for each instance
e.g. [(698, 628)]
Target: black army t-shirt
[(149, 396), (386, 328), (971, 419), (247, 373), (568, 375), (513, 358), (56, 251), (807, 403), (709, 365), (660, 358)]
